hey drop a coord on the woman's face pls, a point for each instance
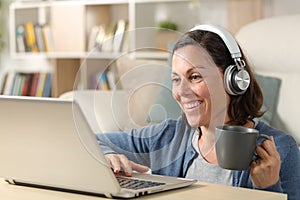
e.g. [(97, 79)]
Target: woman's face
[(197, 85)]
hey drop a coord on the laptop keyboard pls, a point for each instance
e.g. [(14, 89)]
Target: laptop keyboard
[(135, 184)]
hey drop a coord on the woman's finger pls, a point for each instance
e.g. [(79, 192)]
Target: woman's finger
[(119, 162), (269, 146), (139, 168), (261, 152), (114, 161), (126, 165)]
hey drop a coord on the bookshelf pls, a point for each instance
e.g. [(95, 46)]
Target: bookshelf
[(66, 27), (69, 25)]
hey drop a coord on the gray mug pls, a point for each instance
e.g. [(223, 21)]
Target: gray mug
[(235, 146)]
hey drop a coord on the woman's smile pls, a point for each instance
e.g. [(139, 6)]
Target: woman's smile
[(191, 105)]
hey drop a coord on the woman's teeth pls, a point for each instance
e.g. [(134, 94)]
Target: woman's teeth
[(191, 105)]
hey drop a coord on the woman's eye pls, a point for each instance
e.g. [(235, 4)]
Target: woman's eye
[(175, 80), (195, 77)]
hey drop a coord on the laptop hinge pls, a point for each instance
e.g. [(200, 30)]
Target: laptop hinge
[(108, 195), (10, 181)]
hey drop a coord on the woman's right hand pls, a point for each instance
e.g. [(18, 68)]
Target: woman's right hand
[(120, 163)]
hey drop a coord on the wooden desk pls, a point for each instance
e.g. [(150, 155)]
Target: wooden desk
[(197, 191)]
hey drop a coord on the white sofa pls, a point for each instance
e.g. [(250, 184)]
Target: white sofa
[(122, 110), (273, 47)]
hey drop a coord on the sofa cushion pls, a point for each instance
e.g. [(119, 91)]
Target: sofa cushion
[(270, 87), (164, 106), (273, 47), (105, 111)]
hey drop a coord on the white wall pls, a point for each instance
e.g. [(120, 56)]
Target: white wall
[(280, 7)]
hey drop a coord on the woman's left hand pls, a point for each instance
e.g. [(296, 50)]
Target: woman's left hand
[(265, 170)]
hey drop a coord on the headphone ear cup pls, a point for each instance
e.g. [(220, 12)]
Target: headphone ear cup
[(236, 81), (228, 80)]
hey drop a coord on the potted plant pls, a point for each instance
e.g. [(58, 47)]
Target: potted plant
[(167, 32), (167, 26)]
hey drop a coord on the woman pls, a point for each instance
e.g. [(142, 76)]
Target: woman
[(214, 85)]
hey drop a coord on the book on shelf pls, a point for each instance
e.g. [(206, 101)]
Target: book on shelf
[(104, 80), (48, 85), (40, 85), (30, 37), (39, 37), (92, 38), (99, 81), (27, 84), (119, 35), (8, 83), (107, 38), (111, 79), (48, 38), (96, 38), (34, 38), (126, 41), (21, 85), (34, 84), (20, 39), (16, 85), (107, 44)]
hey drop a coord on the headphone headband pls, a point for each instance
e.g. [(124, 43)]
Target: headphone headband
[(226, 37), (236, 77)]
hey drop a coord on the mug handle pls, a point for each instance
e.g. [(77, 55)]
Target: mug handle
[(265, 137)]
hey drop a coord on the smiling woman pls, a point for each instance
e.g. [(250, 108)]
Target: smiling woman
[(207, 69)]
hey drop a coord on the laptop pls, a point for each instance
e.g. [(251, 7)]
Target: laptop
[(48, 143)]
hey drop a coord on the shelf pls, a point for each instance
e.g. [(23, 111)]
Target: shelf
[(41, 4), (92, 55), (160, 1), (71, 23), (152, 55), (63, 55)]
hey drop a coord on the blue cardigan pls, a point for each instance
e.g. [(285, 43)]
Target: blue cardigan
[(167, 149)]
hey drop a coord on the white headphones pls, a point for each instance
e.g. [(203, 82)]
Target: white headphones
[(236, 77)]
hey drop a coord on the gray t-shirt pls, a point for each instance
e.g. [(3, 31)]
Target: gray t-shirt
[(202, 170)]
